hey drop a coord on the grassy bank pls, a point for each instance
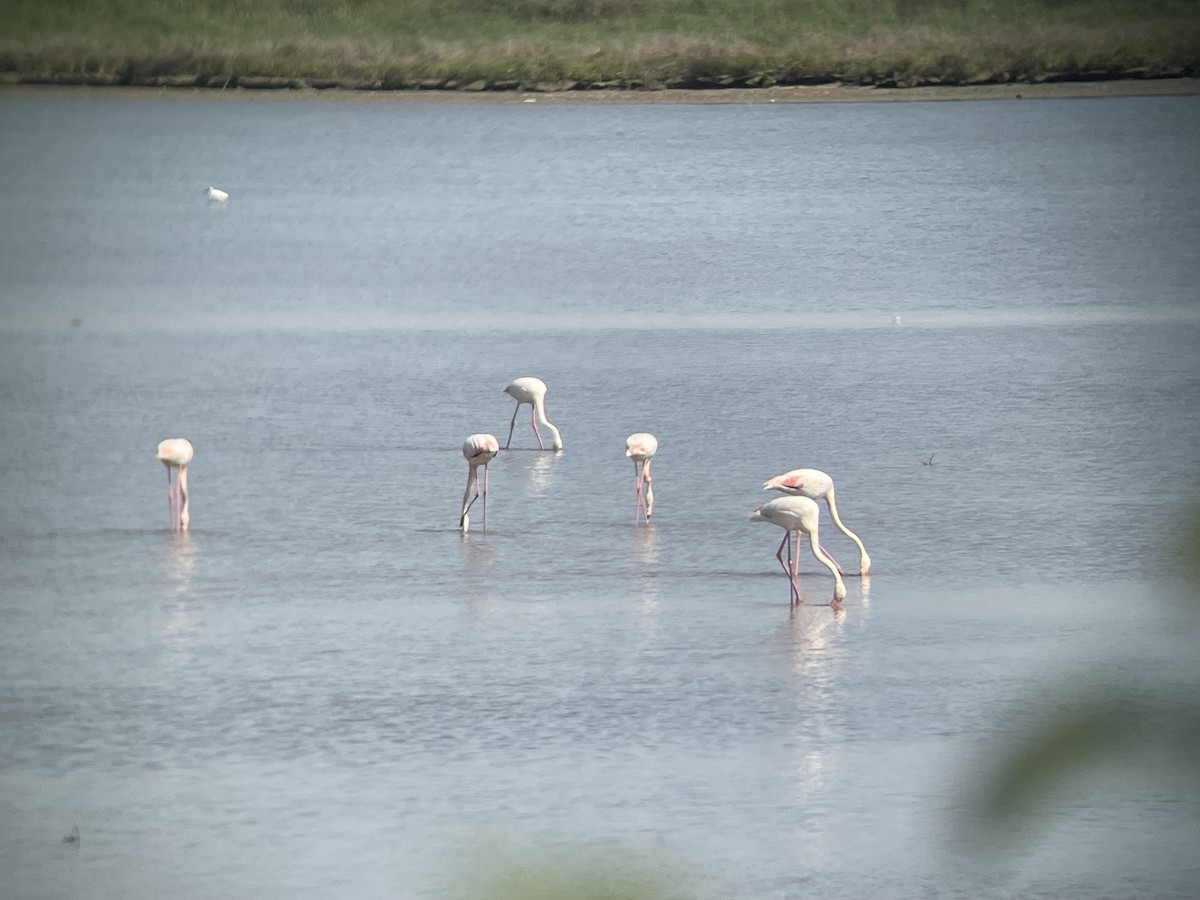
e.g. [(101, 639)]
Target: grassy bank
[(580, 44)]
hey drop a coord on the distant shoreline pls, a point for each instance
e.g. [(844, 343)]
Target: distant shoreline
[(606, 51), (824, 93)]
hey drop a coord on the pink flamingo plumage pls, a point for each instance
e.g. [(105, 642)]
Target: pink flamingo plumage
[(799, 515), (816, 485), (641, 448), (176, 453), (479, 450), (532, 391)]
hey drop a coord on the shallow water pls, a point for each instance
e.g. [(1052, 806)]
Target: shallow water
[(324, 690)]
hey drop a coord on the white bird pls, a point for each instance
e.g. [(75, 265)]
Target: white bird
[(819, 486), (533, 392), (799, 514), (176, 453), (641, 447), (479, 450), (216, 194)]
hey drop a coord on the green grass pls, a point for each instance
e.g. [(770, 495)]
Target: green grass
[(647, 43)]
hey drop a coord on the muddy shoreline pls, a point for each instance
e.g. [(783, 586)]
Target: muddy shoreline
[(823, 93)]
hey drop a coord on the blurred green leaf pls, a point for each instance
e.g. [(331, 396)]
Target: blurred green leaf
[(508, 872), (1081, 729), (1092, 731)]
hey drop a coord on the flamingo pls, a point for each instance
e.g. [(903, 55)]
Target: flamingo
[(216, 194), (818, 486), (533, 392), (176, 453), (641, 448), (479, 449), (799, 514)]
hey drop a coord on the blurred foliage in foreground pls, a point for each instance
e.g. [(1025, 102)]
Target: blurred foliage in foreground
[(1153, 725), (578, 44), (502, 871)]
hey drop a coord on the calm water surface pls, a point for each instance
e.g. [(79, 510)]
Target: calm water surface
[(324, 690)]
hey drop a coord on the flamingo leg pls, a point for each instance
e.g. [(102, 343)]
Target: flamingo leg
[(786, 566), (779, 552), (512, 425), (795, 561), (533, 422)]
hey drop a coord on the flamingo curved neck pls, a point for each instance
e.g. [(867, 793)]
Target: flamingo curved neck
[(539, 412), (649, 489), (184, 515), (839, 587), (864, 560), (468, 496)]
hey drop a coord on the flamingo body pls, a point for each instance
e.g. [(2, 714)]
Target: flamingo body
[(641, 448), (532, 391), (216, 194), (817, 485), (479, 450), (799, 515), (175, 454)]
